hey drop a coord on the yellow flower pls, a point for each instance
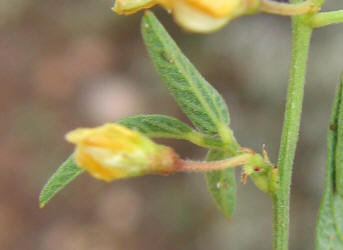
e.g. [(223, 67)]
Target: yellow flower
[(124, 7), (112, 151), (194, 15)]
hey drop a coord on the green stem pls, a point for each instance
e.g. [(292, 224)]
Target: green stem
[(318, 3), (327, 18), (285, 9), (301, 40)]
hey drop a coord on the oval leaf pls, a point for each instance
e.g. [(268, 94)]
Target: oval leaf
[(196, 97)]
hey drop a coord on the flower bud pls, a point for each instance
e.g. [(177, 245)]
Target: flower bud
[(112, 151)]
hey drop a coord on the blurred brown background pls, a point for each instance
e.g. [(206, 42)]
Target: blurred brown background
[(65, 64)]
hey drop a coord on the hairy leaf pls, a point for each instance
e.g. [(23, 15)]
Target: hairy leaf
[(329, 224), (338, 216), (339, 146), (161, 126), (222, 184), (196, 97), (157, 126), (67, 172)]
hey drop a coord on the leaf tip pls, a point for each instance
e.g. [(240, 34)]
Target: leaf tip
[(42, 201)]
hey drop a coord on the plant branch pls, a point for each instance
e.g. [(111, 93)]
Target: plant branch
[(198, 166), (327, 18), (301, 40), (285, 9)]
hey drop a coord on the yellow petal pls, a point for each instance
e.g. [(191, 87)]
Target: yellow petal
[(216, 8), (127, 7), (78, 135), (87, 162), (193, 20), (111, 136)]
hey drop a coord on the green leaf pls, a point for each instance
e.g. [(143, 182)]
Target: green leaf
[(67, 172), (157, 126), (329, 223), (338, 217), (161, 126), (339, 146), (222, 185), (328, 236), (196, 97)]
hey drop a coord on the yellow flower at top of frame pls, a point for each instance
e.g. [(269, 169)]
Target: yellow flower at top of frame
[(127, 7), (113, 151), (200, 16)]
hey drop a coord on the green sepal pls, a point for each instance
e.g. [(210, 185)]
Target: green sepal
[(264, 175)]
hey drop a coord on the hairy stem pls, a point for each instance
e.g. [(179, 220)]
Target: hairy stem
[(301, 39), (197, 166), (285, 9)]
